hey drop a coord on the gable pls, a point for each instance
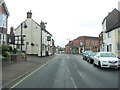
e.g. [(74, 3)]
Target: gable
[(4, 9)]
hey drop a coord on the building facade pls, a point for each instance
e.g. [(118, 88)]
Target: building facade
[(33, 37), (83, 43), (4, 13), (111, 33)]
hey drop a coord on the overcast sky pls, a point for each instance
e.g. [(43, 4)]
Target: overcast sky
[(66, 19)]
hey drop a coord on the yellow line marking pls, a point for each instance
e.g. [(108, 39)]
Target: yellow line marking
[(17, 78), (29, 75)]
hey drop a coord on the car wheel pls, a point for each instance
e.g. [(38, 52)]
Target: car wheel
[(91, 61), (87, 60), (94, 63), (99, 64)]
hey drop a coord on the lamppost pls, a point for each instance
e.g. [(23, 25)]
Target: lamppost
[(25, 26), (42, 24)]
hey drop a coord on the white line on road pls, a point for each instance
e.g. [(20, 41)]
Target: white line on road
[(68, 69), (73, 83)]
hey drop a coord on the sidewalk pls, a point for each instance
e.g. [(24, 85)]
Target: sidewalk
[(13, 71)]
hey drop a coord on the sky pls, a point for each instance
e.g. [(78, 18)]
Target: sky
[(66, 19)]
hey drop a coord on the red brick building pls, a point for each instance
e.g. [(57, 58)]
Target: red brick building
[(81, 44), (3, 22)]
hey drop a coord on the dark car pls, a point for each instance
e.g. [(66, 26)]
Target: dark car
[(85, 55), (90, 57)]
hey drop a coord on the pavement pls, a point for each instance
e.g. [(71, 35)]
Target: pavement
[(12, 71)]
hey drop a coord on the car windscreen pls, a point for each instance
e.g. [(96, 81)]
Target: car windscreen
[(92, 54), (107, 55)]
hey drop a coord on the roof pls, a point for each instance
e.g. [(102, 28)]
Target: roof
[(91, 37), (112, 20), (4, 4)]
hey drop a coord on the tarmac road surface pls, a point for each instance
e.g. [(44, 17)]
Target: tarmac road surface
[(68, 71)]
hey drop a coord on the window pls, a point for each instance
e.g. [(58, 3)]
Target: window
[(74, 43), (110, 46), (81, 43), (92, 43), (103, 47), (87, 43), (118, 47), (119, 31), (95, 43), (3, 18), (17, 40)]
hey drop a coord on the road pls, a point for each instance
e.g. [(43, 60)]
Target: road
[(68, 71)]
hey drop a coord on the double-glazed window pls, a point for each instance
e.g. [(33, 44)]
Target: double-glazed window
[(87, 43), (118, 47), (81, 43), (92, 43), (95, 43), (3, 18)]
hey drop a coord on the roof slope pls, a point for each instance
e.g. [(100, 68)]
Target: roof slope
[(113, 20)]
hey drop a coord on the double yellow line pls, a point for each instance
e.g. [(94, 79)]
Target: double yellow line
[(29, 75)]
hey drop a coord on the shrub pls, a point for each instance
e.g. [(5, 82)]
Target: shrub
[(21, 53), (6, 54), (5, 48), (4, 58)]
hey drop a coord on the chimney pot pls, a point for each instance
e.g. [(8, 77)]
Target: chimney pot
[(29, 14)]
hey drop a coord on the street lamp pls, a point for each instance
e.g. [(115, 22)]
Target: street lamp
[(25, 26), (42, 24)]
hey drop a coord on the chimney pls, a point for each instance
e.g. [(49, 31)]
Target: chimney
[(29, 14), (11, 30)]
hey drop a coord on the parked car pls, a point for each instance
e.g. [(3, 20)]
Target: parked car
[(106, 59), (85, 54), (90, 57)]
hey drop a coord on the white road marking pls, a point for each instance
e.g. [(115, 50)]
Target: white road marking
[(73, 83), (68, 69)]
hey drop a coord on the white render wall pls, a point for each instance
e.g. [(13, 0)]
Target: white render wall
[(33, 35)]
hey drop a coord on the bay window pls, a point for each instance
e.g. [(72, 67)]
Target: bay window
[(3, 19)]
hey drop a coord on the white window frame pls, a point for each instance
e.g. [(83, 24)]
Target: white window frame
[(117, 47), (3, 20)]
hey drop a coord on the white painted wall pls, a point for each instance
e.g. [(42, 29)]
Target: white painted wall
[(33, 35)]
